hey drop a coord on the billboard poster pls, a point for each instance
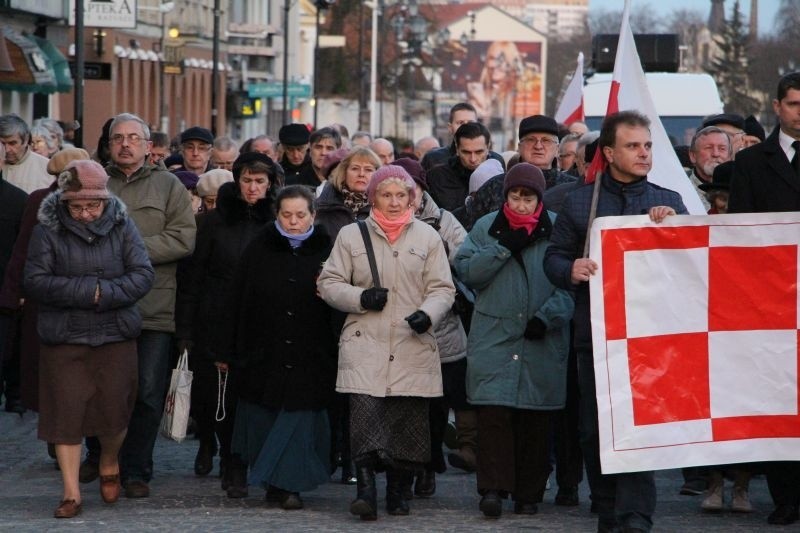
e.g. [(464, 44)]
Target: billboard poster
[(502, 79), (106, 13)]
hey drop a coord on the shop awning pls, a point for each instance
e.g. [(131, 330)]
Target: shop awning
[(28, 67)]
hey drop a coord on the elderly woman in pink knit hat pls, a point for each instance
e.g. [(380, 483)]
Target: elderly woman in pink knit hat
[(87, 267), (394, 282)]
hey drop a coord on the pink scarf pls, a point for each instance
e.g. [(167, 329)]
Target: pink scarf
[(392, 228), (516, 221)]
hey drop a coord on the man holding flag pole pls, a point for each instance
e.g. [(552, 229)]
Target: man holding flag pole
[(630, 143)]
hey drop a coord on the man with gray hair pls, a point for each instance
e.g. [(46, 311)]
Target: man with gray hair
[(425, 145), (161, 208), (384, 149), (224, 152), (361, 138), (24, 168), (710, 147)]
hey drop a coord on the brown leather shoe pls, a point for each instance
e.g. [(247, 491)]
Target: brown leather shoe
[(68, 509), (109, 488), (137, 489)]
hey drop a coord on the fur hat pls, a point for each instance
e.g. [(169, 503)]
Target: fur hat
[(752, 127), (386, 172), (485, 171), (59, 161), (527, 176), (210, 182), (414, 170), (293, 135), (83, 180)]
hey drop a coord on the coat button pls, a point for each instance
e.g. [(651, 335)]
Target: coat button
[(391, 358), (515, 357), (388, 390), (396, 253), (291, 280), (394, 323), (287, 341), (358, 333), (289, 313)]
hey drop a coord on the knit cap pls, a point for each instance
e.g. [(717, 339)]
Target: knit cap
[(525, 175), (210, 182), (414, 170), (83, 180), (386, 172), (485, 171)]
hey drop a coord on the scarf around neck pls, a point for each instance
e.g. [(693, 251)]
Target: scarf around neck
[(516, 221), (392, 228), (295, 239), (354, 201)]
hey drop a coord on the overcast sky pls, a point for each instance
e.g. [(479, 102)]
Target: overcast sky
[(766, 8)]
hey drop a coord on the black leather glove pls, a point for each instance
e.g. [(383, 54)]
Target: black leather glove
[(374, 298), (535, 329), (514, 240), (419, 321)]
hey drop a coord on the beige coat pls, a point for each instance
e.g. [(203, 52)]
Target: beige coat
[(379, 354)]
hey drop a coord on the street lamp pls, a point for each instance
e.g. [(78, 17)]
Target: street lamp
[(321, 5), (412, 28)]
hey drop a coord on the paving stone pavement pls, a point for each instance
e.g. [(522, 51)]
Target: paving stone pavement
[(30, 488)]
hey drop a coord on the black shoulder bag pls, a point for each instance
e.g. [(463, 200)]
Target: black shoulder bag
[(373, 266)]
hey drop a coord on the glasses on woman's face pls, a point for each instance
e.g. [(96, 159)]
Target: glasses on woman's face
[(132, 138), (91, 208)]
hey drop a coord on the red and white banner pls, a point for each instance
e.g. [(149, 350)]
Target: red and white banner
[(629, 91), (570, 109), (695, 327)]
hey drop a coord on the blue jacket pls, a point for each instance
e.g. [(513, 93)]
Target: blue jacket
[(67, 260), (504, 368), (569, 233)]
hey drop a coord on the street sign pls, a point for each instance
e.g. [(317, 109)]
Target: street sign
[(272, 89)]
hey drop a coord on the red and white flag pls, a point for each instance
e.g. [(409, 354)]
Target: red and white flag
[(696, 337), (629, 91), (571, 107)]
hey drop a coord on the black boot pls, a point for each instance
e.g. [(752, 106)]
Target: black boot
[(236, 472), (366, 503), (396, 479), (425, 486), (204, 460)]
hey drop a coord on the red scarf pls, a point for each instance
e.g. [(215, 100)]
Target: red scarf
[(392, 228), (516, 221)]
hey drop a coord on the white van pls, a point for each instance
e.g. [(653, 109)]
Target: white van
[(682, 101)]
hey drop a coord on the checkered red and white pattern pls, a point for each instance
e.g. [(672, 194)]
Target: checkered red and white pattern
[(695, 327)]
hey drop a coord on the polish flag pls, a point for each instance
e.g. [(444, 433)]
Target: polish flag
[(571, 107), (629, 91)]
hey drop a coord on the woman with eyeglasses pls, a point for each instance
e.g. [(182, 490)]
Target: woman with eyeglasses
[(87, 267)]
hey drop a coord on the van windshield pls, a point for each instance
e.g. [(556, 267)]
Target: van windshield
[(679, 129)]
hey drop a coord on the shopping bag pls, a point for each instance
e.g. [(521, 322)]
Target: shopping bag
[(176, 406)]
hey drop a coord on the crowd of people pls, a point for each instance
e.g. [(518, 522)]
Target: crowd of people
[(338, 299)]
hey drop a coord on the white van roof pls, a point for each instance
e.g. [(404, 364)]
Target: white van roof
[(674, 94)]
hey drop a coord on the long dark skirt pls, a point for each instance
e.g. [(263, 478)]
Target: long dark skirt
[(395, 429), (289, 450)]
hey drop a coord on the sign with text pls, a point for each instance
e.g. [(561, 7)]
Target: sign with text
[(106, 13)]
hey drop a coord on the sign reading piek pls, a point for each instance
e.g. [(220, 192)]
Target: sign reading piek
[(106, 13)]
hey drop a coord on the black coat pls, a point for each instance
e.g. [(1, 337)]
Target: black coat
[(763, 179), (283, 348), (207, 277), (12, 204)]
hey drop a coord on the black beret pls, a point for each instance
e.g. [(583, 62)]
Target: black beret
[(752, 127)]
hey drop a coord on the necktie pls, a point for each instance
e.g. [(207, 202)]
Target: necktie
[(796, 158)]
